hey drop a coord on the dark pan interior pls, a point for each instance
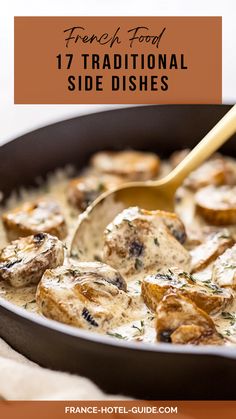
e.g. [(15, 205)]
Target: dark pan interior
[(158, 128), (159, 373)]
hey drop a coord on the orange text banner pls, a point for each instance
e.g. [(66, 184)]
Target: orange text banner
[(118, 60)]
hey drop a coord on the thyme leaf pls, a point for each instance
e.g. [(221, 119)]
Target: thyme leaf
[(116, 335), (138, 264), (139, 329)]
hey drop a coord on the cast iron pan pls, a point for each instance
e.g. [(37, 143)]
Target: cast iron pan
[(145, 371)]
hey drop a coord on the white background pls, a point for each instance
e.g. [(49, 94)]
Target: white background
[(17, 119)]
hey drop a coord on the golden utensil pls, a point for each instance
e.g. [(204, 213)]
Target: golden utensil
[(153, 194)]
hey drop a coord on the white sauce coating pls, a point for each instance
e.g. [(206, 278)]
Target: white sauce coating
[(140, 325)]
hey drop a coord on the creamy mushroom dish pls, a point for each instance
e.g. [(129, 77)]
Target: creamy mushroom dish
[(160, 277)]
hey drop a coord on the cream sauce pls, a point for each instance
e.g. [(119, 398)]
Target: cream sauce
[(140, 326)]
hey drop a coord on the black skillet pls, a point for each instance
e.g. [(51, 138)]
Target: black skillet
[(159, 371)]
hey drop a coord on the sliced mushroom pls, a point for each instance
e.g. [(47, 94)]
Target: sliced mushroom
[(138, 241), (207, 252), (208, 296), (224, 269), (84, 190), (133, 165), (88, 295), (217, 205), (216, 171), (24, 261), (179, 320), (42, 215)]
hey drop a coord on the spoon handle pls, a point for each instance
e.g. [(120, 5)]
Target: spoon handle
[(218, 135)]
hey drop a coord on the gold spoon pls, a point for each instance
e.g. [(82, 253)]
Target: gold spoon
[(87, 242)]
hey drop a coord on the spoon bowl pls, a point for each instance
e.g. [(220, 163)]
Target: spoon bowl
[(87, 242), (88, 239), (150, 195)]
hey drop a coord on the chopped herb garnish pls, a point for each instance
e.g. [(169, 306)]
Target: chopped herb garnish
[(224, 236), (29, 302), (116, 335), (129, 223), (101, 187), (188, 276), (230, 266), (214, 288), (229, 316), (164, 276), (156, 241), (138, 264), (139, 329), (207, 281), (151, 318)]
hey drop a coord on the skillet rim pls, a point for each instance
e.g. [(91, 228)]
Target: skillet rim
[(226, 106), (227, 352)]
